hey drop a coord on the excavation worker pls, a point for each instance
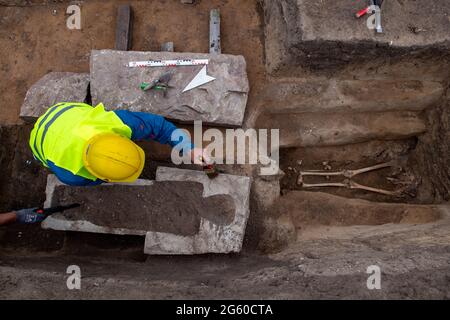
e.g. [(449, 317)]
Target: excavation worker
[(85, 145)]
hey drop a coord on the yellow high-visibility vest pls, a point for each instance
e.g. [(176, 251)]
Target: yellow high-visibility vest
[(61, 133)]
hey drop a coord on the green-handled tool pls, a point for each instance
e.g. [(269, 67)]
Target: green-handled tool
[(161, 84)]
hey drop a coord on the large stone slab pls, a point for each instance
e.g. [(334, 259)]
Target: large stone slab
[(220, 102), (181, 212), (164, 206), (211, 237), (52, 88)]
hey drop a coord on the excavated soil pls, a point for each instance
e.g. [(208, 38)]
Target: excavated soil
[(326, 263), (411, 245), (354, 156), (165, 206)]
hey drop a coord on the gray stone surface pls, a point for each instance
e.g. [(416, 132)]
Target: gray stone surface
[(52, 88), (220, 102), (211, 238)]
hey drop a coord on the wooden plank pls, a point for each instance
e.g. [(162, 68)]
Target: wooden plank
[(124, 27), (214, 31), (167, 47)]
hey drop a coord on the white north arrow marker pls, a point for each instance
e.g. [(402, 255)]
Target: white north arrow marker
[(200, 79)]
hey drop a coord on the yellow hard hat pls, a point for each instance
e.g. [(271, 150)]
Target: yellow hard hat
[(113, 158)]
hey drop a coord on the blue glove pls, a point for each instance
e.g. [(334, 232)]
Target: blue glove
[(29, 216)]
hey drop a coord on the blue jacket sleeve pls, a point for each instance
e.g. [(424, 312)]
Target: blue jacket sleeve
[(67, 177), (146, 126)]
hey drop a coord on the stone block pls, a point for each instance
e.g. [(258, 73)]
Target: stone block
[(181, 212), (221, 102), (212, 237), (52, 88)]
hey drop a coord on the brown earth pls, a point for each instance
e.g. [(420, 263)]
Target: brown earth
[(317, 208), (310, 255), (306, 37), (325, 263)]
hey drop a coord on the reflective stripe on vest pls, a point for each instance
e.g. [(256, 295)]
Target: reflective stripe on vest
[(61, 133), (39, 123), (47, 125), (39, 152)]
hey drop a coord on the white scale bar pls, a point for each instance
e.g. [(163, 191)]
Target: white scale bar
[(168, 63)]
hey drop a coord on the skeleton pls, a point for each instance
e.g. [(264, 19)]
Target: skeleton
[(348, 182)]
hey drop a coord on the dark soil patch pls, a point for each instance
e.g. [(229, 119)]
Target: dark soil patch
[(431, 158), (165, 206), (22, 178)]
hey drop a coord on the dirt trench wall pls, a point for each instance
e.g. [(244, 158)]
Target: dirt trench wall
[(334, 85), (324, 36), (25, 3), (431, 158), (22, 178)]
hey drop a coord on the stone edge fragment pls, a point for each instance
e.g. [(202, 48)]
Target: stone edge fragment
[(35, 93)]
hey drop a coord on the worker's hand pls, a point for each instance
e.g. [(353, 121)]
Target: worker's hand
[(29, 216), (198, 156)]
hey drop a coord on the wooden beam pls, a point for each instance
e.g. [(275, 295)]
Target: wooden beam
[(124, 26), (214, 31), (167, 47)]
